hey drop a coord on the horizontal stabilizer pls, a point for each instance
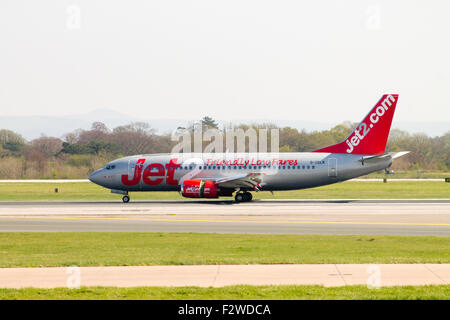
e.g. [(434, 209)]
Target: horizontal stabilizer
[(398, 154), (392, 155)]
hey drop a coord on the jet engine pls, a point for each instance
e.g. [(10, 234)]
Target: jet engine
[(197, 188)]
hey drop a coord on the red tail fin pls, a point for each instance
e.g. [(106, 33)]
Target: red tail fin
[(371, 135)]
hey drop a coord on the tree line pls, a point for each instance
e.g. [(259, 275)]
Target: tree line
[(78, 153)]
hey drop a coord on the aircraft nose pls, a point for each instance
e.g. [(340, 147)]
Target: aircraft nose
[(96, 176)]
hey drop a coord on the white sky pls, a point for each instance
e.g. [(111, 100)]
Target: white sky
[(315, 60)]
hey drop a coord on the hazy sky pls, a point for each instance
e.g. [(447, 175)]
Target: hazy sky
[(311, 60)]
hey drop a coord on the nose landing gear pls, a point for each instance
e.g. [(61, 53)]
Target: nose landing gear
[(243, 197), (126, 199)]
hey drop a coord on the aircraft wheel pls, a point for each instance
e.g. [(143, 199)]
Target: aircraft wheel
[(125, 199), (248, 196), (239, 197)]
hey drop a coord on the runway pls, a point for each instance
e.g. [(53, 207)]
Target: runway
[(329, 275), (429, 217)]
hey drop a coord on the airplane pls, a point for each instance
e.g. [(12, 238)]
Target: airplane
[(214, 175)]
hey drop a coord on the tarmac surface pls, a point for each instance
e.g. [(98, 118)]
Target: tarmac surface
[(224, 275), (423, 217)]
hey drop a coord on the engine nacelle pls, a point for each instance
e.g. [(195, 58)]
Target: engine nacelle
[(197, 188)]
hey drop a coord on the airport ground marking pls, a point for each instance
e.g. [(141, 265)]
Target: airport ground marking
[(229, 221)]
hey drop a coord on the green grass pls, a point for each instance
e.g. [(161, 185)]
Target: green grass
[(116, 249), (233, 292), (350, 189), (410, 174)]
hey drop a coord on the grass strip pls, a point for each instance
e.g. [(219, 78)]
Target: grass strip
[(133, 249), (441, 292)]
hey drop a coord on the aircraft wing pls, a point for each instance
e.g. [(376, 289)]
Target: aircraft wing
[(247, 180)]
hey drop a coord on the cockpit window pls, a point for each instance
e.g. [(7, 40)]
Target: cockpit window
[(109, 166)]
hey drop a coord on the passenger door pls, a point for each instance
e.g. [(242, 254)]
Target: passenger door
[(332, 167)]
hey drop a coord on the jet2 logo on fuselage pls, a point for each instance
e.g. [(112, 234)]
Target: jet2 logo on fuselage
[(156, 170)]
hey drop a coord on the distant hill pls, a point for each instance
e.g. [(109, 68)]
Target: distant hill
[(31, 127)]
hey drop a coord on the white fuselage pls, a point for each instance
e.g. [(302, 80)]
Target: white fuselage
[(280, 171)]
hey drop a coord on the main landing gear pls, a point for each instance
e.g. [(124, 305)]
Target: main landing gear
[(243, 197), (126, 199)]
